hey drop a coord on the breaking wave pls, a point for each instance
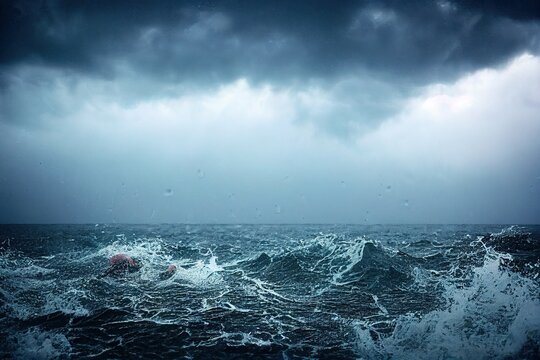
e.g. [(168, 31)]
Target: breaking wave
[(340, 292)]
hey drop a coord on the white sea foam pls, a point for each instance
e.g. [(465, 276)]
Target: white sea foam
[(24, 304), (31, 270), (492, 316), (201, 274), (154, 255), (39, 344), (338, 256), (25, 295), (67, 302), (237, 339)]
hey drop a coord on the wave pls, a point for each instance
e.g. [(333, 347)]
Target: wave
[(491, 312), (36, 343), (275, 293)]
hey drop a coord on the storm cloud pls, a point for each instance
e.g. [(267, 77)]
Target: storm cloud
[(267, 41)]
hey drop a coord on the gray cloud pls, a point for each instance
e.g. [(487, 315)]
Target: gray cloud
[(267, 41), (373, 54), (459, 153)]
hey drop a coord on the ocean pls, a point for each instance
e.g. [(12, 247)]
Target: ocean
[(271, 292)]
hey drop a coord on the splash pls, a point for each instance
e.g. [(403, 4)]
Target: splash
[(337, 292), (201, 274), (23, 289), (38, 344), (492, 314)]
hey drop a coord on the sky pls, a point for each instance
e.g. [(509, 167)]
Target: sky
[(365, 112)]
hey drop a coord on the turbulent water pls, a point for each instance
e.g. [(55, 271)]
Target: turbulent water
[(276, 292)]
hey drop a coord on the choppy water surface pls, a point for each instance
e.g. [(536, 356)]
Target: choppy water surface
[(277, 292)]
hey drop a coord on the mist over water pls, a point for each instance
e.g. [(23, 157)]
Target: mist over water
[(271, 291)]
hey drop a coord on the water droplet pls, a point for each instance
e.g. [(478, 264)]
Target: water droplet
[(388, 187), (200, 173), (168, 192), (406, 203), (277, 209)]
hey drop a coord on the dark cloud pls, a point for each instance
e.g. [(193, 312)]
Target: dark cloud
[(518, 10), (206, 41)]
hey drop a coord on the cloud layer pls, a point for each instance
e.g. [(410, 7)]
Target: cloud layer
[(214, 42), (244, 152)]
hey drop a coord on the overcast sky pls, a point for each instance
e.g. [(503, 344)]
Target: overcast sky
[(270, 112)]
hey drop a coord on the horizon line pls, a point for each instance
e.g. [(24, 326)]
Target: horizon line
[(282, 224)]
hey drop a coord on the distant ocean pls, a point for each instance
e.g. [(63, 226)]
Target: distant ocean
[(271, 292)]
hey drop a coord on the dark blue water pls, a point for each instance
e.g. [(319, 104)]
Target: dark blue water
[(276, 292)]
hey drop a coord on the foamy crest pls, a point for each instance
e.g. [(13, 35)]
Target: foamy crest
[(149, 251), (351, 255), (201, 274), (67, 302), (25, 295), (25, 271), (490, 315), (508, 231), (38, 344), (238, 339), (338, 255)]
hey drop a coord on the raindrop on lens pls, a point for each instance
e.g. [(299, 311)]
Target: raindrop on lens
[(168, 192)]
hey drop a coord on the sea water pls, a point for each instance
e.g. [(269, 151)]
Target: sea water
[(271, 292)]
